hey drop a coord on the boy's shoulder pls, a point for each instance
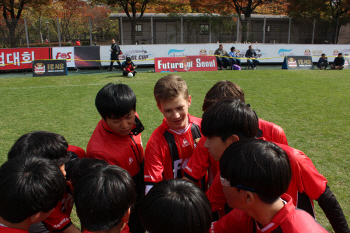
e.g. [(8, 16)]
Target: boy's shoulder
[(4, 229)]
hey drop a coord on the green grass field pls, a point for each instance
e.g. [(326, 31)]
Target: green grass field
[(312, 107)]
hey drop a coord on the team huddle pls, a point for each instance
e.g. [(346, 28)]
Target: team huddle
[(227, 172)]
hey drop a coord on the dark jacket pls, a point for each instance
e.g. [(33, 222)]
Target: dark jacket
[(339, 61), (250, 53), (115, 51)]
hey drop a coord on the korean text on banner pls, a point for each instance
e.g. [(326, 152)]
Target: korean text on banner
[(21, 58)]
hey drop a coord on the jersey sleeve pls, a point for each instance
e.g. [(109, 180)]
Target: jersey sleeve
[(312, 183), (273, 132), (216, 194), (236, 221), (199, 162), (57, 220), (154, 160), (102, 156)]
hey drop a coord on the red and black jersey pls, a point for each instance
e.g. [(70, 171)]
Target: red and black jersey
[(59, 219), (124, 151), (287, 220), (201, 161), (4, 229), (307, 183), (168, 152), (77, 150)]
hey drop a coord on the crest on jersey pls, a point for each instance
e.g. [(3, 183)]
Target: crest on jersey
[(130, 160), (185, 143)]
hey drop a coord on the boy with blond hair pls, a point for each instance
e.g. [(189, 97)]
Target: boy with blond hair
[(171, 145)]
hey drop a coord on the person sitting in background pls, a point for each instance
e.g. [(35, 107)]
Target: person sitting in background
[(338, 63), (221, 57), (176, 206), (233, 54), (322, 62), (252, 54), (128, 67)]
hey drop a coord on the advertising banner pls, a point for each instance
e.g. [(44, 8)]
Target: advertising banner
[(87, 56), (21, 58), (50, 68), (185, 64), (298, 63), (64, 53), (144, 54)]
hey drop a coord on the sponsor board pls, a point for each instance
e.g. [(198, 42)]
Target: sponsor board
[(49, 68), (21, 58), (298, 63), (185, 64), (66, 53)]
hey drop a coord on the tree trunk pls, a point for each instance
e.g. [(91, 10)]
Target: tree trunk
[(133, 31)]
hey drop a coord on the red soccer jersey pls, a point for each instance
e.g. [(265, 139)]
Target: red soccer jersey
[(124, 151), (287, 220), (307, 183), (4, 229), (168, 152), (77, 150), (201, 159), (59, 219)]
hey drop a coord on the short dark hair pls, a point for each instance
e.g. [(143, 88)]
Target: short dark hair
[(29, 185), (340, 53), (232, 48), (170, 87), (228, 117), (176, 206), (259, 165), (103, 196), (115, 101), (78, 167), (222, 90), (41, 144), (323, 54), (128, 58)]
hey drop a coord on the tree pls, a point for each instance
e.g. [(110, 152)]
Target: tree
[(333, 11), (12, 11)]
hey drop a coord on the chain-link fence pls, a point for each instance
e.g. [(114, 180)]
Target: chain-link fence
[(164, 29)]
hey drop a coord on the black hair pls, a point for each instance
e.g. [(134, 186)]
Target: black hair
[(78, 167), (103, 196), (323, 54), (128, 58), (41, 144), (115, 101), (176, 206), (227, 117), (29, 185), (340, 53), (232, 48), (259, 165)]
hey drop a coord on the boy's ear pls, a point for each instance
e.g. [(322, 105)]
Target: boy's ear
[(189, 100), (126, 216), (159, 106), (40, 216), (233, 138), (249, 197)]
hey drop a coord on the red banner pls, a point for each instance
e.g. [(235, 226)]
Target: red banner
[(21, 58), (184, 64)]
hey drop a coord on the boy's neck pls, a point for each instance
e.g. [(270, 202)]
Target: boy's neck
[(22, 225), (264, 213)]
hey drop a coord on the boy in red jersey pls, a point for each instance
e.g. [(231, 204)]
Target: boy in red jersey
[(201, 162), (53, 147), (30, 187), (128, 67), (255, 174), (103, 198), (117, 138), (171, 145), (229, 121)]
